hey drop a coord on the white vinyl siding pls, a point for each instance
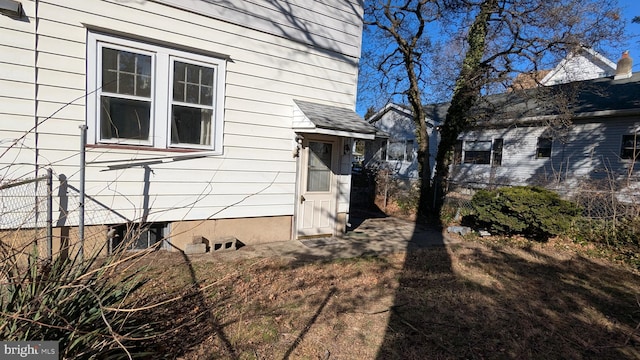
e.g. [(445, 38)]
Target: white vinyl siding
[(17, 90), (334, 27), (591, 149), (252, 175)]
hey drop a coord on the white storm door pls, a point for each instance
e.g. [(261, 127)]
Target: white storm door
[(317, 203)]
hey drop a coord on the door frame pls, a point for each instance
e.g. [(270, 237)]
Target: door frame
[(302, 176)]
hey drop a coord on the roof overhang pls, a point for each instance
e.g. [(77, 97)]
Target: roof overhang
[(314, 118), (11, 8)]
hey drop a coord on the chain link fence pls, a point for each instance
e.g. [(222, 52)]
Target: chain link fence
[(26, 215), (605, 204)]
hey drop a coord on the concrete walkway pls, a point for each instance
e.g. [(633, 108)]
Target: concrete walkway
[(368, 237)]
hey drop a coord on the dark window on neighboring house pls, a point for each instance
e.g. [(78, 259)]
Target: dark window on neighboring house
[(477, 152), (457, 153), (544, 147), (409, 151), (480, 152), (630, 147), (497, 152)]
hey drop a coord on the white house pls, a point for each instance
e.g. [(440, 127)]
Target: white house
[(204, 119), (529, 141), (395, 147), (567, 132)]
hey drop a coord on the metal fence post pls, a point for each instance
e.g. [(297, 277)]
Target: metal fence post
[(49, 214), (83, 146)]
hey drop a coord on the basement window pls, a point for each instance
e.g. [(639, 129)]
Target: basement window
[(135, 236)]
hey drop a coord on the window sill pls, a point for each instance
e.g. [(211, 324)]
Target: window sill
[(146, 148)]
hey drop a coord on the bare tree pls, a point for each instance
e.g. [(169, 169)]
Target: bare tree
[(400, 28), (501, 39)]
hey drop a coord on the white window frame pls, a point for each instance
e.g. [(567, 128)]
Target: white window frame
[(475, 145), (404, 147), (161, 93)]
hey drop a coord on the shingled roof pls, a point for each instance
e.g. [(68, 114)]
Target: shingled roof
[(582, 99), (327, 117)]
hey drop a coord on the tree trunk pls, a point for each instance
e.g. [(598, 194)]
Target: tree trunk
[(465, 95)]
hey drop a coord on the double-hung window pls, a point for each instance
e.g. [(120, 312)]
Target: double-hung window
[(400, 150), (482, 152), (477, 152), (154, 96)]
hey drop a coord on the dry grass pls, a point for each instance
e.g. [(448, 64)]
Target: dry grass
[(472, 301)]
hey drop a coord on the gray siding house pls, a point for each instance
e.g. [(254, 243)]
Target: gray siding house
[(567, 134), (554, 135)]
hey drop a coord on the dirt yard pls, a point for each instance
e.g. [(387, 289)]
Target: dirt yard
[(475, 300)]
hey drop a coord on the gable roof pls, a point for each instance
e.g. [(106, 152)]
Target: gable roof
[(310, 117), (435, 113), (582, 64)]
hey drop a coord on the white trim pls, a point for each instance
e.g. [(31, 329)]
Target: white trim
[(163, 57), (562, 65)]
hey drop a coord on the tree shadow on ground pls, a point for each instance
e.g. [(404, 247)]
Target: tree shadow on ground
[(408, 292), (501, 302)]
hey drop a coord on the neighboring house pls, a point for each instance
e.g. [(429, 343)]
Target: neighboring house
[(566, 133), (395, 147), (529, 141), (580, 65), (205, 119)]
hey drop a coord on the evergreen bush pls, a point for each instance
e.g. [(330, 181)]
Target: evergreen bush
[(524, 210)]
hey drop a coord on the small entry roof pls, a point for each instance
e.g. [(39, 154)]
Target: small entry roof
[(310, 117)]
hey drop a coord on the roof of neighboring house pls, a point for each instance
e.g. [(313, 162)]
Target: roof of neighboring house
[(332, 118), (389, 107), (590, 98), (595, 98), (434, 112), (581, 99)]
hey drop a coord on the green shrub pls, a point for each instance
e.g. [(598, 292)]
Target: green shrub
[(621, 235), (530, 211)]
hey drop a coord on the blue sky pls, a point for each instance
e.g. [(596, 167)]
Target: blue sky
[(630, 8)]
